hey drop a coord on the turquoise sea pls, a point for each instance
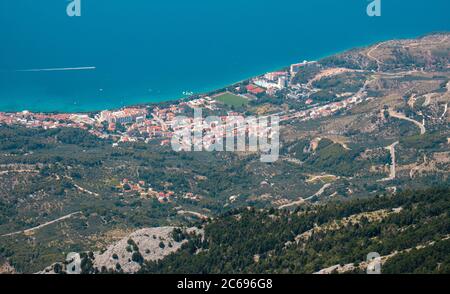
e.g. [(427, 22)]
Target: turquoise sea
[(144, 51)]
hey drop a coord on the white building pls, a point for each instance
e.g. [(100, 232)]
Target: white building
[(282, 81)]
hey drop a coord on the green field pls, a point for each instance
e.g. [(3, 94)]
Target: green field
[(231, 99)]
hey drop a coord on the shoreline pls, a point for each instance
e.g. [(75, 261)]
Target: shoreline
[(214, 88)]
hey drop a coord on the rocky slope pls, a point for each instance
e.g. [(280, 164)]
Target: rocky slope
[(128, 255)]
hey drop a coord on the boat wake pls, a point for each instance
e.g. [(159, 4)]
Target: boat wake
[(57, 69)]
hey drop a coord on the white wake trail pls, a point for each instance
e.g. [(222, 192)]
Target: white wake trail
[(58, 69)]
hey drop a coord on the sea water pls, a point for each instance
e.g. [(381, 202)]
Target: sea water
[(119, 52)]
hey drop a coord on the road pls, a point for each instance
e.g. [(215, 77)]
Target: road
[(160, 121), (423, 130), (444, 39), (43, 225), (418, 167), (295, 203), (369, 55), (22, 171), (393, 173), (320, 192), (196, 214), (446, 104), (301, 201), (445, 111), (81, 189), (85, 190)]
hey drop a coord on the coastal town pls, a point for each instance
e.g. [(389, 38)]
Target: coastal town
[(347, 135), (155, 123)]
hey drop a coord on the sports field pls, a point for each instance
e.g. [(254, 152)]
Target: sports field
[(231, 99)]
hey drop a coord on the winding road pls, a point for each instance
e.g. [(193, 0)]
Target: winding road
[(423, 130), (369, 55)]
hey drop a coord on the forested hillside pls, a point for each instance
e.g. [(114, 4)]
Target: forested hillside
[(370, 121), (410, 231)]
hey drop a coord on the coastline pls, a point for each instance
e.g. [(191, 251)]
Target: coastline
[(215, 88)]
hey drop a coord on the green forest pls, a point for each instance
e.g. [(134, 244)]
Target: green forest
[(415, 225)]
